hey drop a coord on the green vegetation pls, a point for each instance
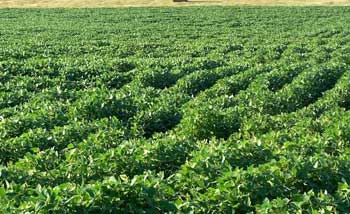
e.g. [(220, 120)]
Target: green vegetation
[(177, 110)]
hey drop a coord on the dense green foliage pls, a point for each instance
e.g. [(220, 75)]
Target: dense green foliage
[(154, 110)]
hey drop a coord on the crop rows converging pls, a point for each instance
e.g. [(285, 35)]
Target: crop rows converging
[(175, 110)]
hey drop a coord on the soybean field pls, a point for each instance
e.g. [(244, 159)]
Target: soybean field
[(175, 110)]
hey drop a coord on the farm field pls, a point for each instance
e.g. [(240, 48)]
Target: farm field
[(161, 3), (175, 110)]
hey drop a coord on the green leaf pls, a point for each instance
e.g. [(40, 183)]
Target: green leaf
[(2, 192), (70, 146)]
